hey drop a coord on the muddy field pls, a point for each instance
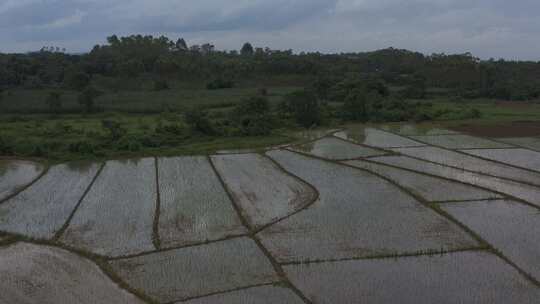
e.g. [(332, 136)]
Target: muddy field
[(366, 214), (502, 130)]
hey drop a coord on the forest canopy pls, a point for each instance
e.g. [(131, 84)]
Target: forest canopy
[(163, 58)]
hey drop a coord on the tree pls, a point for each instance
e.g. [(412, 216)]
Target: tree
[(304, 107), (116, 131), (197, 119), (181, 45), (76, 79), (356, 106), (54, 101), (87, 98), (253, 116), (247, 49), (207, 48)]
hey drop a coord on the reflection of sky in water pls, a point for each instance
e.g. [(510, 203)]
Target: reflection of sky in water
[(410, 129), (376, 138), (16, 174), (334, 148)]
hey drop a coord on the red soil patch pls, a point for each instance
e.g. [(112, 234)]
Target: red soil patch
[(507, 129)]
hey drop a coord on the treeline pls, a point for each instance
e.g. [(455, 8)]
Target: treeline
[(161, 58)]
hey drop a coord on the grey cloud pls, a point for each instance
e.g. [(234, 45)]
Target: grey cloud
[(488, 28)]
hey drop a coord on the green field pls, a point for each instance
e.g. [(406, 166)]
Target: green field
[(178, 98)]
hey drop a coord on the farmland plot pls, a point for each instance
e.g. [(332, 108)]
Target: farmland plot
[(527, 193), (471, 163), (376, 138), (336, 149), (460, 141), (465, 277), (532, 143), (16, 174), (262, 190), (194, 206), (430, 188), (33, 274), (116, 216), (510, 227), (259, 295), (357, 215), (43, 208), (518, 157), (416, 129), (180, 274)]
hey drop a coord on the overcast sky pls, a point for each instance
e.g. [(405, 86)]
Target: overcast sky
[(487, 28)]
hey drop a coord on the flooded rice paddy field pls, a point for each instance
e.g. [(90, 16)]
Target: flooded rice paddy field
[(364, 214)]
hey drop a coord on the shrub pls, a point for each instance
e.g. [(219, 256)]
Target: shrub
[(87, 98), (5, 146), (82, 147), (77, 80), (171, 128), (161, 85), (220, 83), (254, 117), (115, 129), (129, 144), (304, 107), (197, 119), (54, 101), (356, 106)]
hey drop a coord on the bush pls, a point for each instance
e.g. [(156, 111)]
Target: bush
[(77, 80), (5, 146), (87, 98), (356, 106), (171, 128), (197, 119), (129, 144), (115, 129), (253, 116), (54, 101), (82, 147), (304, 107), (220, 84), (161, 85)]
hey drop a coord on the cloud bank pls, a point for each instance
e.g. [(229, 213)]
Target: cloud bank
[(487, 28)]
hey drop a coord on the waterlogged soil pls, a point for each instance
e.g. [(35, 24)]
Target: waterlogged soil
[(41, 210), (197, 271), (314, 134), (471, 163), (264, 192), (430, 188), (418, 129), (510, 227), (502, 130), (116, 216), (357, 215), (518, 157), (258, 295), (4, 237), (194, 206), (466, 277), (376, 138), (528, 193), (34, 274), (15, 174), (336, 149), (525, 142), (460, 141)]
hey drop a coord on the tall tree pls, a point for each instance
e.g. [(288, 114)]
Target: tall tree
[(181, 45), (247, 49)]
